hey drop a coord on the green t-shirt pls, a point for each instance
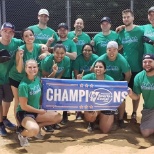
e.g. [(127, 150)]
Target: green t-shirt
[(115, 68), (6, 66), (14, 74), (92, 76), (42, 35), (132, 47), (145, 84), (149, 32), (101, 41), (83, 38), (81, 64), (64, 65), (30, 90)]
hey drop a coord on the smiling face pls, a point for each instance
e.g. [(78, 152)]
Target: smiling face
[(79, 25), (127, 18), (62, 32), (151, 18), (7, 34), (87, 51), (43, 19), (59, 54), (31, 68), (112, 53), (28, 36), (105, 26), (148, 65), (99, 69)]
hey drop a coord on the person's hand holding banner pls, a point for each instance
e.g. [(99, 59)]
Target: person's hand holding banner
[(79, 76)]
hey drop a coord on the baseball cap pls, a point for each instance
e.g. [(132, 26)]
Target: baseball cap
[(148, 56), (63, 25), (106, 19), (112, 44), (43, 11), (8, 25), (151, 9)]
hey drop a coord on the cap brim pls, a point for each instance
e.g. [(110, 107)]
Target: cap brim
[(4, 59)]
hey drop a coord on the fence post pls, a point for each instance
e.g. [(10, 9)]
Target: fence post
[(132, 5), (68, 17)]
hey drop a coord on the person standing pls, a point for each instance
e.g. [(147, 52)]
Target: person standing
[(43, 33), (71, 52), (144, 84), (101, 39), (9, 45), (78, 36), (132, 43)]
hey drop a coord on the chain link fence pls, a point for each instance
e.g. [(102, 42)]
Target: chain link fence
[(24, 13)]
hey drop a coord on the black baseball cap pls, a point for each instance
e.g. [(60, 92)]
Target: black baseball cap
[(148, 56), (8, 25), (63, 25), (106, 19)]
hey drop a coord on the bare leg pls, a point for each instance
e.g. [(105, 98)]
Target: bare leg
[(16, 101), (105, 122), (6, 106), (147, 132)]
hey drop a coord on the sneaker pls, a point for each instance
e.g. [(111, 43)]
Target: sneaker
[(3, 132), (125, 115), (9, 125), (133, 118), (56, 126), (79, 115), (121, 123), (90, 127), (19, 129), (48, 128), (64, 122), (23, 140), (39, 136)]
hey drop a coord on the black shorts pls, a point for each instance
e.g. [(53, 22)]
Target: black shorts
[(14, 83), (131, 82), (108, 112), (22, 114), (6, 94)]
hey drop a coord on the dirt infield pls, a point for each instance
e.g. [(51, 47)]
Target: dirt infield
[(74, 139)]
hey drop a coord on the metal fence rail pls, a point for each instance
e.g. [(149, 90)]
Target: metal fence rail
[(24, 13)]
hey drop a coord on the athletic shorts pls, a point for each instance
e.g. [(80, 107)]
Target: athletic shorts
[(131, 82), (108, 112), (22, 114), (6, 94), (147, 120), (14, 83)]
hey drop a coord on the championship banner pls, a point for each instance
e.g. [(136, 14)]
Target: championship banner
[(82, 95)]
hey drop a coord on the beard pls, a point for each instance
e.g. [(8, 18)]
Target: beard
[(149, 70)]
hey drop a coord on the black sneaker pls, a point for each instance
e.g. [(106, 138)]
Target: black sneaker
[(64, 122), (56, 126), (90, 127), (133, 118), (79, 115), (48, 128), (121, 123)]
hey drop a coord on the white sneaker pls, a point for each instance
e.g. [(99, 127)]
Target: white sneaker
[(23, 140), (39, 136)]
